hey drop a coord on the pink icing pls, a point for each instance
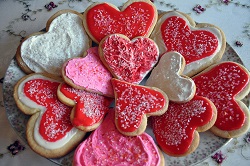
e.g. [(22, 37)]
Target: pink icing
[(96, 75), (130, 60), (106, 146)]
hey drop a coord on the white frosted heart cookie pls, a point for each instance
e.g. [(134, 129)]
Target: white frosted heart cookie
[(65, 37), (167, 76)]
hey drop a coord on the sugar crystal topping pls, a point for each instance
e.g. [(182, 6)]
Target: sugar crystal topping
[(55, 121), (221, 85), (133, 101), (89, 104)]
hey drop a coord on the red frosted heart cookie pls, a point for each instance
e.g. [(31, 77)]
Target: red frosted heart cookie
[(200, 44), (176, 131), (136, 18), (89, 108), (128, 60), (107, 146), (88, 73), (225, 84), (49, 130), (134, 103)]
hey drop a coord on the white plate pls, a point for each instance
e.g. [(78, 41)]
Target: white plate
[(209, 143)]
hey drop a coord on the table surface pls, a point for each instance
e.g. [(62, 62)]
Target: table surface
[(233, 17)]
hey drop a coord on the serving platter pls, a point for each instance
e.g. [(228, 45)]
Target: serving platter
[(209, 143)]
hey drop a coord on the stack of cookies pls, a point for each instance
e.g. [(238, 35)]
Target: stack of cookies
[(108, 71)]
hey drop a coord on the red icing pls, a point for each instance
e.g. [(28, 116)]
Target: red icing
[(133, 101), (221, 84), (193, 45), (130, 60), (55, 122), (90, 107), (135, 20), (175, 128)]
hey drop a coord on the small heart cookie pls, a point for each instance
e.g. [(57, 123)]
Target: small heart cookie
[(107, 146), (225, 84), (167, 77), (65, 38), (49, 130), (176, 131), (136, 18), (201, 44), (134, 103), (89, 108), (88, 73), (128, 60)]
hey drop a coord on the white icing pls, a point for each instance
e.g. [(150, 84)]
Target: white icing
[(66, 38), (193, 66), (37, 136), (166, 76)]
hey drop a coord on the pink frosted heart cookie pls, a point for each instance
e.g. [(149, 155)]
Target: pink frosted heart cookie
[(45, 52), (226, 84), (89, 108), (176, 131), (136, 18), (167, 76), (134, 103), (128, 60), (107, 146), (88, 73), (201, 44), (49, 130)]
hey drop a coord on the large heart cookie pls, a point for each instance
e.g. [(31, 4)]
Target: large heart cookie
[(46, 52), (167, 76), (49, 130), (107, 146), (176, 131), (136, 18), (89, 108), (128, 60), (134, 103), (225, 84), (88, 73), (200, 44)]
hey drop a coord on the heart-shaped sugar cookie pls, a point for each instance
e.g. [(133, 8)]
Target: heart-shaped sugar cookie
[(89, 108), (225, 84), (128, 60), (200, 44), (88, 73), (136, 18), (134, 103), (167, 76), (176, 131), (65, 37), (49, 130)]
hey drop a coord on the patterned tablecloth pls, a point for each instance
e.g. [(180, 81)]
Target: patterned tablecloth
[(20, 18)]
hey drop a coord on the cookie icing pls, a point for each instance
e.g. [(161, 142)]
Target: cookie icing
[(167, 77), (106, 146), (53, 128), (174, 130), (90, 108), (133, 102), (66, 38), (221, 85), (135, 20), (175, 34), (96, 76), (129, 60)]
